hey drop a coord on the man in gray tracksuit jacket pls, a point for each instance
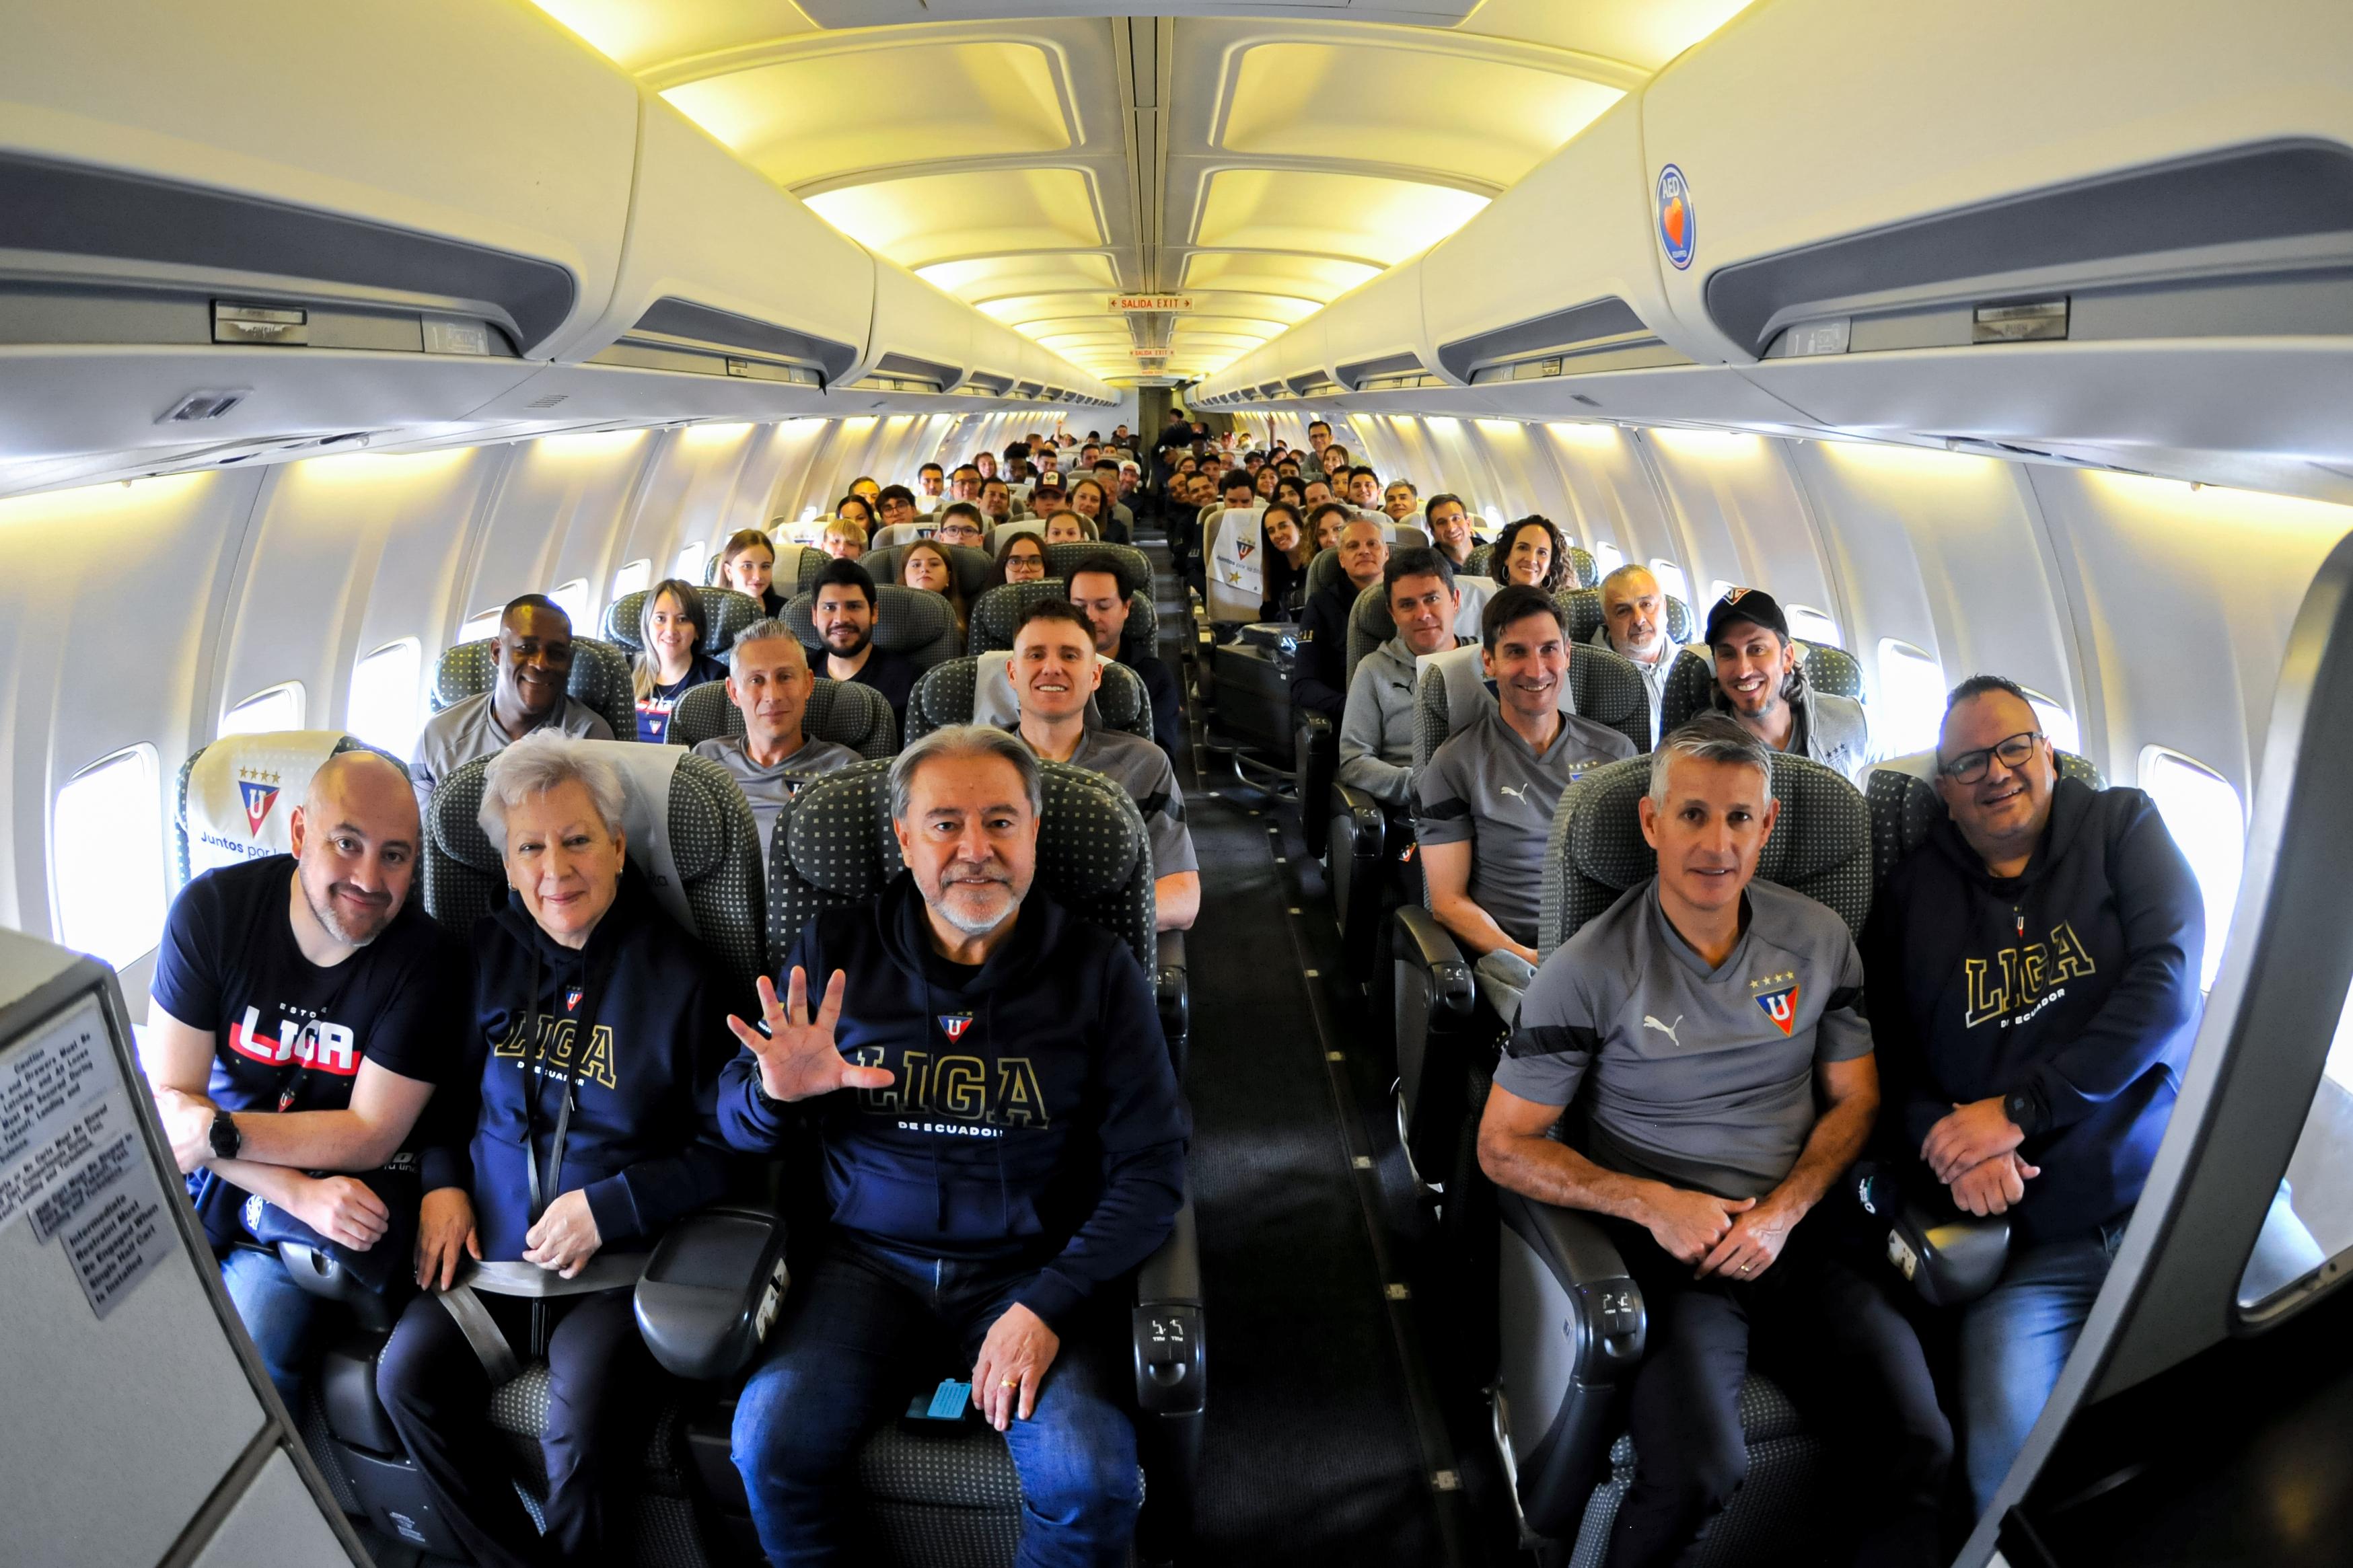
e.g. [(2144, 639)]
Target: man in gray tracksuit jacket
[(1377, 727), (1759, 681)]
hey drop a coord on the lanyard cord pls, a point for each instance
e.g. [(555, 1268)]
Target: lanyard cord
[(584, 1030)]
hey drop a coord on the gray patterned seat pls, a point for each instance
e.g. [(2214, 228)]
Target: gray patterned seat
[(951, 693), (1134, 565), (726, 614), (1902, 794), (1821, 846), (1826, 669), (952, 1499), (804, 568), (246, 788), (1583, 607), (912, 621), (998, 613), (841, 711), (600, 678), (711, 834)]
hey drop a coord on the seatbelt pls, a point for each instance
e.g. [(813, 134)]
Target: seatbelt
[(606, 1271), (481, 1332)]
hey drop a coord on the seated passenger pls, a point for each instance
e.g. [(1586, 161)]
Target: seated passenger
[(985, 461), (841, 609), (1092, 502), (868, 489), (1100, 591), (1401, 500), (1262, 481), (747, 564), (895, 505), (2034, 972), (768, 680), (530, 669), (1319, 680), (996, 502), (670, 629), (1326, 516), (960, 523), (1760, 682), (1634, 627), (993, 1196), (303, 1011), (1238, 491), (1449, 530), (580, 1122), (964, 483), (844, 539), (1319, 436), (1337, 464), (1284, 561), (926, 566), (1483, 808), (930, 480), (1022, 559), (1377, 730), (1106, 474), (1054, 673), (1530, 552), (1364, 488), (1707, 1016)]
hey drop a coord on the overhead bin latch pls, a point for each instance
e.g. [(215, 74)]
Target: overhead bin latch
[(277, 324)]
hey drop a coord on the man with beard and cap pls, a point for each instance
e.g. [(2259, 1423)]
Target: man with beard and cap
[(304, 1007), (531, 669), (842, 608), (1003, 1141), (1634, 627), (1760, 683)]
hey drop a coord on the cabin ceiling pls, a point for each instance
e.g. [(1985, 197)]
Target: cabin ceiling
[(1035, 158)]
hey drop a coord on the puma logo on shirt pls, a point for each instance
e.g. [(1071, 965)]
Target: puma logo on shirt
[(1666, 1029)]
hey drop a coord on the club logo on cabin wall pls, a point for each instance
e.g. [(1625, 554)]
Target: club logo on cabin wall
[(1678, 225)]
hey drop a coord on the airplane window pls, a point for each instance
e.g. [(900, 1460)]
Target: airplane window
[(689, 562), (1608, 557), (632, 577), (1812, 625), (2311, 1222), (1672, 581), (106, 855), (2203, 813), (384, 705), (1911, 706), (481, 624), (279, 708), (574, 596), (2058, 724)]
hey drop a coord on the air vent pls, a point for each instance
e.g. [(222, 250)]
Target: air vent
[(198, 407)]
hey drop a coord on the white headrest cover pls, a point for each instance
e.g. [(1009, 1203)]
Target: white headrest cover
[(243, 791), (646, 775), (1236, 585)]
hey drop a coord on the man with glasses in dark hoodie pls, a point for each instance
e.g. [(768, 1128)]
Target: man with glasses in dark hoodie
[(1003, 1140), (2033, 989)]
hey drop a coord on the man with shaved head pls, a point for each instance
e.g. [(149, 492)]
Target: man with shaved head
[(303, 1009)]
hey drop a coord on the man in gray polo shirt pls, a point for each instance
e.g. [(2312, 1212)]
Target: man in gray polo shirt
[(1484, 806), (1054, 672), (531, 665), (768, 680), (1696, 1027)]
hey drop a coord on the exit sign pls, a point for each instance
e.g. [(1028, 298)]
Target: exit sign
[(1161, 303)]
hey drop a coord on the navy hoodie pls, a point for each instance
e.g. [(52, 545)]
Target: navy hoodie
[(2075, 982), (1034, 1117), (1320, 679), (643, 1142)]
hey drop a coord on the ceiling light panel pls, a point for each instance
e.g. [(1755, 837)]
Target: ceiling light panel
[(1318, 278), (1485, 119), (1643, 36), (1362, 216), (638, 34), (816, 116), (925, 218), (996, 277)]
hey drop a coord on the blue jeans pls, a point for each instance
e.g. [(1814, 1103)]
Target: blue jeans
[(2014, 1340), (282, 1317), (862, 1332)]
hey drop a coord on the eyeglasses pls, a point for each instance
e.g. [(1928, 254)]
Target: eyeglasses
[(1970, 767)]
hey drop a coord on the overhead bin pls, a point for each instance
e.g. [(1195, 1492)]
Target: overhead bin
[(1371, 338), (921, 339)]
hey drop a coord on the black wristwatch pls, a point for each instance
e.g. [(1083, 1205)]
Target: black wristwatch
[(2018, 1106), (225, 1137)]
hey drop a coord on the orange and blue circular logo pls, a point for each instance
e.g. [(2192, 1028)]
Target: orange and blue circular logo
[(1678, 226)]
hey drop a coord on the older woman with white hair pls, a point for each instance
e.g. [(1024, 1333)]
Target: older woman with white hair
[(579, 1127)]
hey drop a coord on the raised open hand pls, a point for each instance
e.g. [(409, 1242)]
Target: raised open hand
[(798, 1057)]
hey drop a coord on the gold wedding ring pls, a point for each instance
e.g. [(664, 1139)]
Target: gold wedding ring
[(1010, 1383)]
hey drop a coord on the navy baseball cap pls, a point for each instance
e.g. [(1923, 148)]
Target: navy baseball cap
[(1753, 606)]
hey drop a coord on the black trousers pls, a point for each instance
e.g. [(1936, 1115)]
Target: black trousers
[(1835, 1345), (435, 1390)]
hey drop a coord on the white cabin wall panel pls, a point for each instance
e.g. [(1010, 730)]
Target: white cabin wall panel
[(1526, 479), (557, 515), (1738, 489), (1609, 492), (798, 441), (346, 555), (1946, 553), (686, 494), (94, 663), (2183, 600), (1464, 463)]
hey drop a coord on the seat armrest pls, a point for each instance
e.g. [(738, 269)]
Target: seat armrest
[(1368, 824), (1950, 1258), (1176, 999), (1172, 1364), (1425, 943), (316, 1270), (711, 1290)]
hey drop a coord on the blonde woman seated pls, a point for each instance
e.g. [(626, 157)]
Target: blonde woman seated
[(844, 539), (670, 629), (924, 564), (747, 564)]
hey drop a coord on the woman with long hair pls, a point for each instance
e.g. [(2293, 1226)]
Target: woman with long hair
[(855, 508), (866, 487), (1091, 501), (924, 564), (986, 461), (1264, 482), (1022, 559), (669, 661), (747, 564), (1282, 570), (1530, 552)]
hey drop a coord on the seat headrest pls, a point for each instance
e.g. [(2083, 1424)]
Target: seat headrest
[(1370, 625), (834, 844), (978, 690), (1904, 804), (996, 615), (912, 621), (1324, 571), (973, 566), (1134, 565), (841, 711), (725, 613), (1404, 535), (600, 678), (1582, 567), (1821, 843), (237, 794), (690, 835)]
